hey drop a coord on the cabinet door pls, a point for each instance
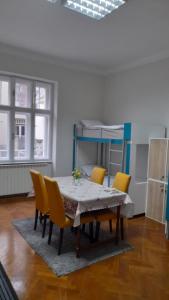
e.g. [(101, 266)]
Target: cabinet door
[(155, 200), (157, 159)]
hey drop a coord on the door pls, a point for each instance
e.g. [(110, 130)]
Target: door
[(155, 200), (157, 159)]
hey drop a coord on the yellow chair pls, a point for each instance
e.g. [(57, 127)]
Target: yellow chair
[(121, 183), (97, 175), (41, 199), (57, 213)]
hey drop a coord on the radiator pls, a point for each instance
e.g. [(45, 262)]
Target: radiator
[(15, 179)]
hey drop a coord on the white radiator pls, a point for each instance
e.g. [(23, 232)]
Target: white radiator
[(15, 179)]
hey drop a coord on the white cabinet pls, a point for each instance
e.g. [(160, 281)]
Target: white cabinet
[(158, 163), (141, 134)]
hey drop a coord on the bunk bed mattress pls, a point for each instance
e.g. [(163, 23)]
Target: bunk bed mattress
[(105, 132), (112, 133)]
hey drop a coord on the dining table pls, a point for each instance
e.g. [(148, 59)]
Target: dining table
[(85, 196)]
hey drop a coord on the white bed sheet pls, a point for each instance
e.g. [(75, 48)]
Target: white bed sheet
[(106, 132)]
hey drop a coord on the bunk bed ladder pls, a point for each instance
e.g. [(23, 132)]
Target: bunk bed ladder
[(121, 165)]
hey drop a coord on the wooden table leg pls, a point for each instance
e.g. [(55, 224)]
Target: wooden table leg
[(122, 227), (78, 242), (97, 231), (117, 224), (91, 232)]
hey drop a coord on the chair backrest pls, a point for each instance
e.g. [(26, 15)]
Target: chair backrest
[(41, 196), (121, 182), (97, 175), (56, 204)]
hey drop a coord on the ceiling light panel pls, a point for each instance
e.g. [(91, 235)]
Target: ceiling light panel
[(96, 9), (52, 1)]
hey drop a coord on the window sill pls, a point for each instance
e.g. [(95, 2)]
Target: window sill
[(25, 163)]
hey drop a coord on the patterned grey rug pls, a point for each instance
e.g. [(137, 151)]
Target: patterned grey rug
[(67, 261)]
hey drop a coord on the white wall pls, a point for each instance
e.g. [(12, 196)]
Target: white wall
[(140, 94), (80, 96)]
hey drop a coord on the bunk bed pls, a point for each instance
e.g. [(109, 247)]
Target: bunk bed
[(101, 134), (94, 141)]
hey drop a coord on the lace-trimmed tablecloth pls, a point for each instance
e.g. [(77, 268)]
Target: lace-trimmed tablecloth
[(88, 196)]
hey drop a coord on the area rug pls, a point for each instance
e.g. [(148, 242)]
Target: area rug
[(67, 261)]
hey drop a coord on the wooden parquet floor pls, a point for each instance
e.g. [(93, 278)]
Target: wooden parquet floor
[(139, 274)]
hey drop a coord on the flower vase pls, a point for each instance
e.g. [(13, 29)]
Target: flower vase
[(76, 181)]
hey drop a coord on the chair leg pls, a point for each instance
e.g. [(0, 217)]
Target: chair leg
[(117, 224), (60, 240), (122, 227), (83, 228), (44, 226), (50, 232), (91, 231), (78, 242), (40, 218), (97, 231), (110, 225), (36, 219)]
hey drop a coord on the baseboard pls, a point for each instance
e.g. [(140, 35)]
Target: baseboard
[(14, 195), (139, 215), (18, 197)]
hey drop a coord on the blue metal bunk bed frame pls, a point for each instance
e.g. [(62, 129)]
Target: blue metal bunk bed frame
[(125, 142)]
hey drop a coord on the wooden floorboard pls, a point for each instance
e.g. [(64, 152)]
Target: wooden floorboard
[(139, 274)]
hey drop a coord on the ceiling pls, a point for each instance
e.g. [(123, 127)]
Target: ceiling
[(137, 31)]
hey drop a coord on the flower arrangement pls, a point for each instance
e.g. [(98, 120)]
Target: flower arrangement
[(76, 174)]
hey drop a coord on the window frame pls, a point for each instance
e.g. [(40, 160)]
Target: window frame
[(33, 111)]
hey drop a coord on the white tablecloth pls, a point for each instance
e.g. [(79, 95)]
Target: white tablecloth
[(88, 196)]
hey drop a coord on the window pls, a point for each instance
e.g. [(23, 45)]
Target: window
[(42, 96), (25, 119), (4, 91), (41, 136), (22, 93), (4, 135), (22, 137)]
